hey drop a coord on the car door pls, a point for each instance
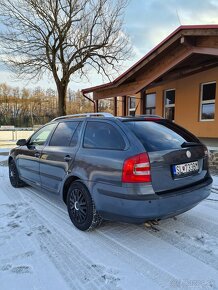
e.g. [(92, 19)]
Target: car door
[(58, 155), (28, 156), (102, 153)]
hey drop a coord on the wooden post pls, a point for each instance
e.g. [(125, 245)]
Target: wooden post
[(115, 106), (124, 105), (96, 106)]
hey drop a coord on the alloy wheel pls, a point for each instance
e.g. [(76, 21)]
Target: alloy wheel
[(78, 205)]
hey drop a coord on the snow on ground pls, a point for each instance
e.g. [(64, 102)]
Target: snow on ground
[(40, 248)]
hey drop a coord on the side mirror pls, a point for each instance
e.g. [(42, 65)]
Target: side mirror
[(21, 142)]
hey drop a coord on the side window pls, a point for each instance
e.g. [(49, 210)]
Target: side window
[(102, 136), (169, 102), (63, 134), (150, 104), (208, 96), (40, 137), (75, 138), (131, 106)]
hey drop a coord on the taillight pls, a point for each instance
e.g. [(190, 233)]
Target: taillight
[(137, 169)]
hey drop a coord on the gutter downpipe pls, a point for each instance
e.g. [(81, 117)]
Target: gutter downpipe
[(90, 101)]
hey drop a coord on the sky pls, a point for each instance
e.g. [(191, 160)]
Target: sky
[(147, 22)]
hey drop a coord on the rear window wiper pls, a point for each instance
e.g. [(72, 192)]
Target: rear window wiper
[(190, 144)]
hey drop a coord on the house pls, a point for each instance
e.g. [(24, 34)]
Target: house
[(177, 80)]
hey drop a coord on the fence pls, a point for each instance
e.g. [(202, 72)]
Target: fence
[(15, 134)]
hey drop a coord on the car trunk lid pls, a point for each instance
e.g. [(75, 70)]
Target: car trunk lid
[(172, 169), (177, 158)]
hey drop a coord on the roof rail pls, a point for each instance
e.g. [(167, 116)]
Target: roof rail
[(101, 114)]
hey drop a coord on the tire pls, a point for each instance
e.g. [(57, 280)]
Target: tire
[(81, 208), (14, 175)]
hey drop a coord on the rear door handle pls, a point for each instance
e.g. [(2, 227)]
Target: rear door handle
[(37, 154), (67, 158)]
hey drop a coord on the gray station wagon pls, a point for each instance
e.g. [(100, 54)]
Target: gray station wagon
[(129, 169)]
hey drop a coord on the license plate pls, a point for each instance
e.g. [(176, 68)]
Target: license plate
[(185, 169)]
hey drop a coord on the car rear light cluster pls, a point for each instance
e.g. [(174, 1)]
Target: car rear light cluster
[(137, 169)]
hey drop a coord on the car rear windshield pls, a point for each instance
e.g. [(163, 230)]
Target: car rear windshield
[(161, 135)]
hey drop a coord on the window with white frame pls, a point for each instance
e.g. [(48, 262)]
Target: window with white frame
[(150, 104), (207, 106), (131, 106), (169, 104)]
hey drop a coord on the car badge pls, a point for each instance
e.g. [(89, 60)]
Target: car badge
[(188, 154)]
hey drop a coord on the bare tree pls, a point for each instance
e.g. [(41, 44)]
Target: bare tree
[(63, 37)]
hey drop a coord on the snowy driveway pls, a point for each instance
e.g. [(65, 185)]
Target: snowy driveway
[(40, 248)]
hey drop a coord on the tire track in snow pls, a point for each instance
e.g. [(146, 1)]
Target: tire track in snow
[(140, 264), (195, 246), (204, 224), (111, 243), (57, 249), (214, 190), (78, 270), (13, 194), (213, 204)]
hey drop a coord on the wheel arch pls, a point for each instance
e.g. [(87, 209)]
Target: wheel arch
[(67, 185), (10, 158)]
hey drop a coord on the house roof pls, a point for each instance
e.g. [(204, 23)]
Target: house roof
[(175, 34)]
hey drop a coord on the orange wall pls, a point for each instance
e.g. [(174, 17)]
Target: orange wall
[(138, 105), (187, 103), (119, 106)]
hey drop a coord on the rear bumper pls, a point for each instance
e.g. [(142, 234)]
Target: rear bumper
[(136, 210)]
